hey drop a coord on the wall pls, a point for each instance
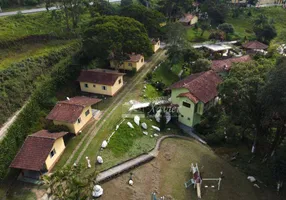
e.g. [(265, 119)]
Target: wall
[(117, 85), (194, 118), (97, 89), (59, 146), (76, 127), (156, 46), (125, 66), (194, 20)]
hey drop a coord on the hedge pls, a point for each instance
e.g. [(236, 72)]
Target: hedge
[(41, 101)]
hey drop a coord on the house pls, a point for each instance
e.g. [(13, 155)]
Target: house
[(254, 46), (73, 113), (223, 66), (194, 95), (99, 81), (39, 153), (155, 44), (188, 19), (135, 62), (215, 50)]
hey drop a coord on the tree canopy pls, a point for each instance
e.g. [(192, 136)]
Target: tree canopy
[(149, 17), (110, 34), (264, 29)]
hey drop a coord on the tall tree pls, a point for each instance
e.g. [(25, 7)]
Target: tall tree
[(126, 2), (264, 29), (149, 17), (110, 34), (217, 10), (239, 93), (273, 97), (174, 9)]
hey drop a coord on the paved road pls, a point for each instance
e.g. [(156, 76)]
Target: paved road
[(130, 164), (36, 10)]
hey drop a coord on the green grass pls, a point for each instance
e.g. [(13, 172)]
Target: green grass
[(194, 35), (19, 26), (18, 53), (151, 92), (165, 75)]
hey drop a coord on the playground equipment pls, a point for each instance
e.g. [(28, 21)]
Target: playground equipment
[(197, 180)]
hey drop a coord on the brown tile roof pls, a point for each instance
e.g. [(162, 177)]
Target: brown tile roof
[(255, 45), (202, 86), (70, 110), (134, 57), (99, 76), (35, 150), (189, 96), (225, 65)]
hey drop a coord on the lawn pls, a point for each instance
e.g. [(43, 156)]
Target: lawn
[(19, 26), (194, 35), (168, 172), (18, 53), (164, 74), (151, 92)]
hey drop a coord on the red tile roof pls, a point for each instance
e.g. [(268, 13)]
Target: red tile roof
[(255, 45), (202, 86), (189, 96), (99, 76), (134, 57), (70, 110), (35, 150), (225, 65)]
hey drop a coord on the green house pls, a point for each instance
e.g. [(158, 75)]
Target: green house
[(194, 95)]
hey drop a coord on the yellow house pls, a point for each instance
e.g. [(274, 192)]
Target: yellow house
[(188, 19), (99, 81), (73, 113), (155, 44), (39, 153), (194, 95), (135, 62)]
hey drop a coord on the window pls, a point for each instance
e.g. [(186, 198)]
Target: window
[(186, 104), (78, 120), (130, 64), (142, 60), (197, 108), (93, 85), (87, 112), (119, 81), (182, 115), (86, 85), (52, 153), (103, 87), (189, 118)]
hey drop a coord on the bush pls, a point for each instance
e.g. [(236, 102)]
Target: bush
[(56, 128), (31, 2)]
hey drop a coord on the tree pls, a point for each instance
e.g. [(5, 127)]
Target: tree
[(102, 7), (176, 34), (162, 121), (274, 105), (200, 65), (126, 3), (150, 18), (70, 183), (227, 28), (174, 9), (264, 29), (204, 26), (239, 93), (72, 10), (217, 10), (112, 34), (217, 35)]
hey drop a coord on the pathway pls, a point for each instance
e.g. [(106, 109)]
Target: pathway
[(190, 131), (118, 100), (9, 122), (130, 164)]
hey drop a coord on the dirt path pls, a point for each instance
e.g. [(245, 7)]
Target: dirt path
[(9, 122), (118, 100)]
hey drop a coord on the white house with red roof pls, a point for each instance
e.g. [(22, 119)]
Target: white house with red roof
[(194, 95)]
